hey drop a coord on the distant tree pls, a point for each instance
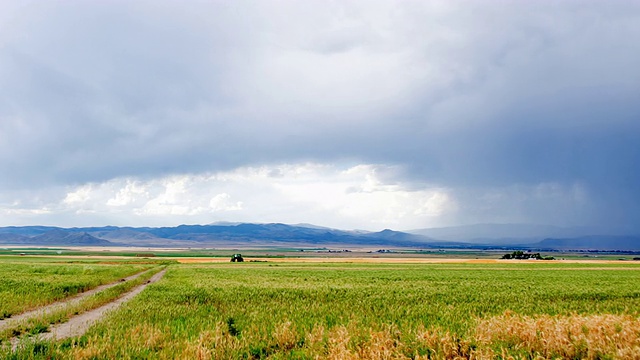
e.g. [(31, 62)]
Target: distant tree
[(521, 255)]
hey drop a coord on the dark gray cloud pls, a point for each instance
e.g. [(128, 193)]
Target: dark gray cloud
[(470, 96)]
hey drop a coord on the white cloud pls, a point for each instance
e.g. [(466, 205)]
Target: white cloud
[(131, 193), (23, 212), (173, 199), (344, 197), (79, 195), (222, 202), (364, 196), (436, 204)]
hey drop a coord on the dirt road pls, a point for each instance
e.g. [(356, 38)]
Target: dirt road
[(78, 325), (58, 305)]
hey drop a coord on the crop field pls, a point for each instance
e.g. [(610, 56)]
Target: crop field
[(298, 310), (29, 283)]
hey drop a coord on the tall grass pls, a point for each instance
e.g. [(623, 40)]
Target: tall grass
[(570, 337)]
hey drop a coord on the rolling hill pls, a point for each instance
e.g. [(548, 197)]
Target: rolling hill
[(485, 236)]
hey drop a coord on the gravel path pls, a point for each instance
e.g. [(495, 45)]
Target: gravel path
[(78, 325), (58, 305)]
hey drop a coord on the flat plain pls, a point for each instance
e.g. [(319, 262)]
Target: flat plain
[(286, 309)]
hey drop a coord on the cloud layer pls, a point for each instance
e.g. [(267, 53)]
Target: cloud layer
[(460, 112)]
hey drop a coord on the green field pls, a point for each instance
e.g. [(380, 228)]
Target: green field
[(362, 310), (26, 283)]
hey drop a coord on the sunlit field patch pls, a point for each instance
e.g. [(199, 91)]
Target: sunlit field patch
[(574, 336)]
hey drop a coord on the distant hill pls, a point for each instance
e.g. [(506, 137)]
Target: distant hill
[(28, 231), (483, 236), (244, 234), (9, 238), (131, 237), (282, 233), (64, 237), (55, 237)]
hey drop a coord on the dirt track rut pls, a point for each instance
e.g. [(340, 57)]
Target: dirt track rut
[(58, 305), (78, 325)]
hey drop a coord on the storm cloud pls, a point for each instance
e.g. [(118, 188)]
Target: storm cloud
[(431, 113)]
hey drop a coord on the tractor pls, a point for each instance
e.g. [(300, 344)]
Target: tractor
[(237, 258)]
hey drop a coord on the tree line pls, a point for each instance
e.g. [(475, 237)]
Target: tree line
[(521, 255)]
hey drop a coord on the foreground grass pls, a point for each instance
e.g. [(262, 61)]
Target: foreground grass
[(25, 284), (300, 311), (41, 323)]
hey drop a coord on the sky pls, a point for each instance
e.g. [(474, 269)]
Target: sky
[(347, 114)]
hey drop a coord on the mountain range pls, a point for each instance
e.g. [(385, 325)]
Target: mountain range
[(482, 236), (228, 234)]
